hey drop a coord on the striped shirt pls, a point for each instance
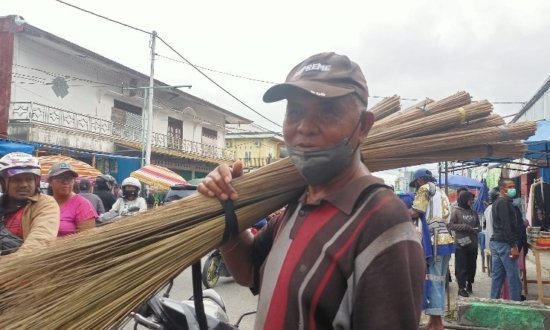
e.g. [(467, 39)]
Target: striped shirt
[(346, 262)]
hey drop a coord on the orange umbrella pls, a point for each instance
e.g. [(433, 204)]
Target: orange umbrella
[(158, 176), (84, 170)]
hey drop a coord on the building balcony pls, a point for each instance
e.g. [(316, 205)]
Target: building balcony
[(56, 119)]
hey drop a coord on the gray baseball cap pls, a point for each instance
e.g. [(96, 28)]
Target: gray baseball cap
[(60, 168)]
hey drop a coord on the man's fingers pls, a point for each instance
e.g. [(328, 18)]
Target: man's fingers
[(216, 184), (237, 169)]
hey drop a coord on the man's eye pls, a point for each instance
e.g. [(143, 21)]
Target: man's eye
[(329, 114), (294, 114)]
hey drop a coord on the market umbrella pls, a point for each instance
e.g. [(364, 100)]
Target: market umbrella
[(84, 170), (482, 198), (158, 177), (457, 181)]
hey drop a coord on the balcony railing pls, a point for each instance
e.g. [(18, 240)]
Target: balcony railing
[(30, 112)]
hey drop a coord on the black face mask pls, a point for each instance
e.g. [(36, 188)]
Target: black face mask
[(319, 167), (131, 195)]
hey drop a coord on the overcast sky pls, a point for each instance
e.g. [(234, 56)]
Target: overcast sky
[(496, 50)]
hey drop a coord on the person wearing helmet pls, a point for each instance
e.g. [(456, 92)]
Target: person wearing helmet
[(130, 197), (77, 213), (28, 218), (104, 185), (432, 207)]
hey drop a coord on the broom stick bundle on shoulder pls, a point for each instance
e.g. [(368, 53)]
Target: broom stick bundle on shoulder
[(426, 108), (95, 278), (386, 107)]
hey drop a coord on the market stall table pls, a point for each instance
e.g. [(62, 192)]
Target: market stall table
[(537, 250)]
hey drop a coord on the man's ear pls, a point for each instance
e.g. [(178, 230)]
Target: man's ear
[(367, 120)]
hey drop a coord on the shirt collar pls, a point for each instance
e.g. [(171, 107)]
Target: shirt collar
[(345, 198)]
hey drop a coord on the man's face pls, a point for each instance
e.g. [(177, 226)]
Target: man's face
[(508, 184), (419, 183), (313, 123), (21, 186)]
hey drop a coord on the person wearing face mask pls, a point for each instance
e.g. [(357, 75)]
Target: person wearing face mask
[(432, 207), (130, 197), (345, 254), (28, 218), (504, 243), (465, 223)]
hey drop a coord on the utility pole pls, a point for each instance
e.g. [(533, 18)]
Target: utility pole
[(149, 136)]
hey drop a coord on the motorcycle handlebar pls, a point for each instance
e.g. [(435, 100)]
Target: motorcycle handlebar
[(146, 322)]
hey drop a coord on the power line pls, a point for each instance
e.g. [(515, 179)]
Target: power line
[(219, 71), (107, 18), (215, 83)]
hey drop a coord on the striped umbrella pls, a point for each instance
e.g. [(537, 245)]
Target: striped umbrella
[(158, 176), (84, 170)]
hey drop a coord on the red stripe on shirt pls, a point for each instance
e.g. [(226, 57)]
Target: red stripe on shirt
[(315, 222), (352, 238)]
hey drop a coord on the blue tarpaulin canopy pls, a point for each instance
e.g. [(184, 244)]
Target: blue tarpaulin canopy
[(457, 181), (538, 145), (8, 146), (482, 198)]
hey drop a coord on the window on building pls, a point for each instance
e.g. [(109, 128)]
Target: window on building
[(175, 133), (126, 120), (209, 133)]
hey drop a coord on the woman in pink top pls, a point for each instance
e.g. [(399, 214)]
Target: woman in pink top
[(77, 213)]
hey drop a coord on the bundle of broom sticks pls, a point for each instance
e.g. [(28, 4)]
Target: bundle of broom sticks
[(92, 280)]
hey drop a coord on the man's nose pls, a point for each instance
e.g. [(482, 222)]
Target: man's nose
[(308, 124)]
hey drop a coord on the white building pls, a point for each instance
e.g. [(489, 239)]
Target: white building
[(57, 93)]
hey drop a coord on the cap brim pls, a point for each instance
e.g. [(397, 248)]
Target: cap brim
[(281, 91), (412, 183), (63, 171)]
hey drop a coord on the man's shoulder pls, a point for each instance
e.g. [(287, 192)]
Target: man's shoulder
[(348, 196), (42, 198)]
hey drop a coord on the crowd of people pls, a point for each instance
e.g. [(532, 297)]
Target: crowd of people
[(30, 218)]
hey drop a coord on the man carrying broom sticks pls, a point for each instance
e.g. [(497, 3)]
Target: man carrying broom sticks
[(432, 206), (345, 254)]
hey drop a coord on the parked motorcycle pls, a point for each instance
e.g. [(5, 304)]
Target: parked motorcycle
[(170, 314), (214, 267)]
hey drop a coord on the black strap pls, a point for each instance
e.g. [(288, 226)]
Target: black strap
[(197, 296), (231, 224), (367, 191)]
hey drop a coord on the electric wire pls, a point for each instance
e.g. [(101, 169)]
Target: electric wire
[(219, 71), (104, 17), (215, 83)]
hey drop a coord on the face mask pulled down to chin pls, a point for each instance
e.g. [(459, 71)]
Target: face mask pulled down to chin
[(319, 167)]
